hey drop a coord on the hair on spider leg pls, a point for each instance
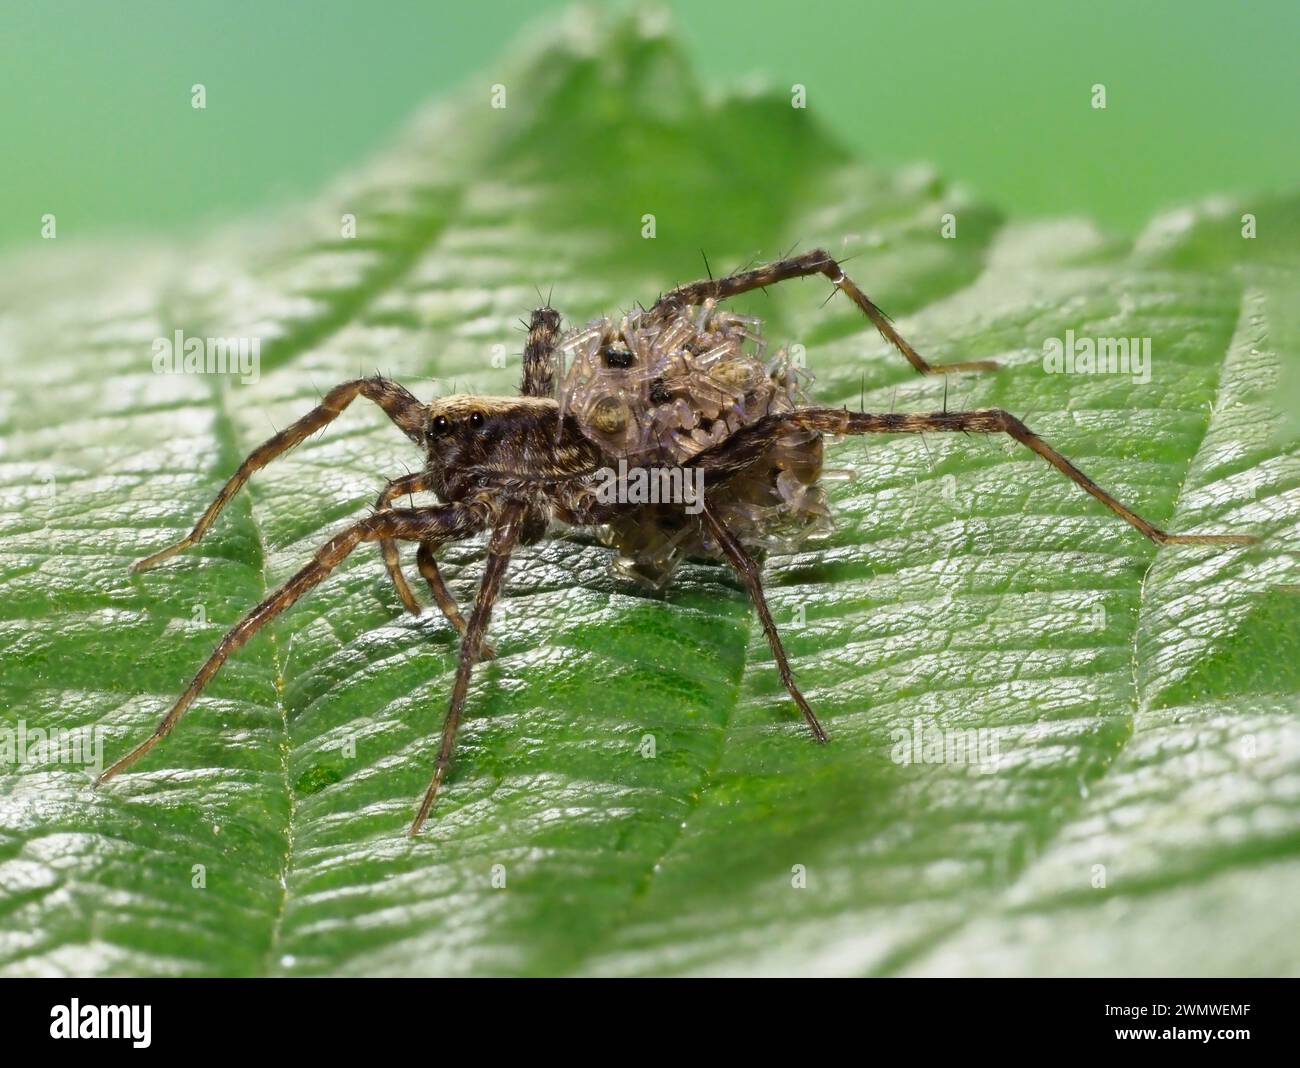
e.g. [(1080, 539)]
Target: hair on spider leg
[(741, 269), (511, 467)]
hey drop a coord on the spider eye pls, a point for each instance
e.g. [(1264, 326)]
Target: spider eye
[(618, 356), (441, 424), (476, 420)]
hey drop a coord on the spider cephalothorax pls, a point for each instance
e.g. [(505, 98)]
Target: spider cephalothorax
[(682, 386)]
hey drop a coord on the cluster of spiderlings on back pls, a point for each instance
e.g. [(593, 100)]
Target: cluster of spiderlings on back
[(662, 389), (659, 390)]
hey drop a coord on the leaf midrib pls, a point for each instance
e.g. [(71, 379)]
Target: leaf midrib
[(334, 318)]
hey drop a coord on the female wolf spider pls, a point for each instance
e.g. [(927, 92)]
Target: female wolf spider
[(680, 382)]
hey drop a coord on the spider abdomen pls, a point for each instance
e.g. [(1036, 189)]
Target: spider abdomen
[(658, 391)]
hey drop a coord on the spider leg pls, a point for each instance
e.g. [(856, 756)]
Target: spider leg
[(420, 482), (443, 597), (818, 261), (401, 406), (751, 574), (746, 445), (505, 535), (447, 521), (539, 354)]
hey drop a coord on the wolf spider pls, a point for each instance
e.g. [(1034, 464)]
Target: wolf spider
[(510, 466)]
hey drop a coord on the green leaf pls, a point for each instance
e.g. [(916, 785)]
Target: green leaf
[(1141, 815)]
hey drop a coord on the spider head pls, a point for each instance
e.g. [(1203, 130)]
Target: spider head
[(469, 427), (475, 436)]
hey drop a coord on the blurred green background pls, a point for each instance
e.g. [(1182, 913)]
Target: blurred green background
[(98, 127)]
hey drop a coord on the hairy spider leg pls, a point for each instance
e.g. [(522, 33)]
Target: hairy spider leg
[(428, 567), (751, 574), (404, 410), (417, 524), (420, 482), (539, 354), (504, 537), (996, 421), (746, 445), (751, 441), (818, 261)]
